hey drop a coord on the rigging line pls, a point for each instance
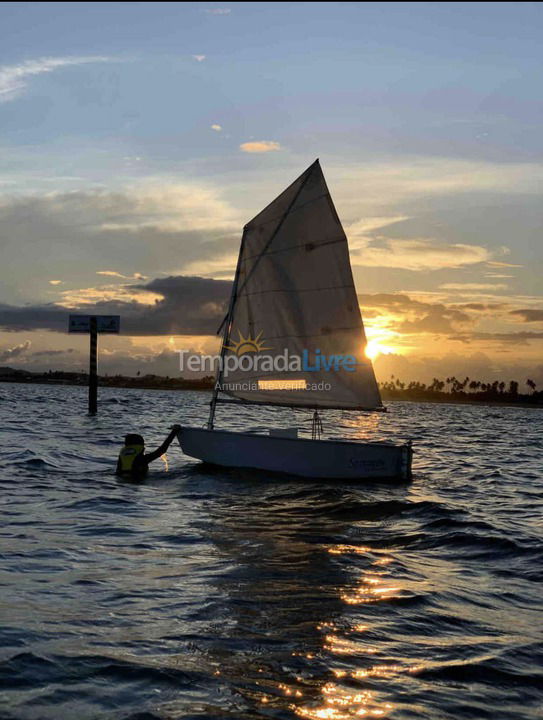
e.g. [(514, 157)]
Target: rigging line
[(300, 207), (295, 247), (235, 292), (272, 238), (348, 286), (226, 336)]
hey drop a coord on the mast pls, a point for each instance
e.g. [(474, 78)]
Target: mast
[(227, 323)]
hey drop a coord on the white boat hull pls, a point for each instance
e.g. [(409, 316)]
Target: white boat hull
[(329, 459)]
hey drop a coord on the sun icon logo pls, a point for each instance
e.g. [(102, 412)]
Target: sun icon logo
[(248, 344)]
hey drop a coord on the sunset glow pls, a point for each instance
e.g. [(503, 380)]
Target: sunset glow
[(374, 348), (131, 200)]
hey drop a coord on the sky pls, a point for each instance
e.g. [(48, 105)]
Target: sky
[(136, 140)]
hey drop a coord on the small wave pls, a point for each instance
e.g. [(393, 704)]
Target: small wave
[(100, 503), (32, 671), (379, 510), (32, 463), (476, 545), (484, 671)]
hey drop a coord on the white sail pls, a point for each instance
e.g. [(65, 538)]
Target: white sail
[(295, 296)]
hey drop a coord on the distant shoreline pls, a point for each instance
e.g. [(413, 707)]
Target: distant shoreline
[(146, 382), (157, 382)]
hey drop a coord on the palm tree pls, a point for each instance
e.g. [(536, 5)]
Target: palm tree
[(531, 384)]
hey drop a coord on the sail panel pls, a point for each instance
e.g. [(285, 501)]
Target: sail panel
[(296, 298)]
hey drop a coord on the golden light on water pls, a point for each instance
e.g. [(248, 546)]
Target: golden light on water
[(342, 703), (342, 549), (346, 644)]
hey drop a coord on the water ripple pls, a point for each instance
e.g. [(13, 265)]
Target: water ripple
[(234, 594)]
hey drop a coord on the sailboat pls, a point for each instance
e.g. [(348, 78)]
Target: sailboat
[(293, 337)]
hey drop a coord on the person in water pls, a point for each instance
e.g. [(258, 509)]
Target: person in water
[(133, 461)]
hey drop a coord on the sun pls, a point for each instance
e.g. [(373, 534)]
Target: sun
[(247, 344), (373, 349)]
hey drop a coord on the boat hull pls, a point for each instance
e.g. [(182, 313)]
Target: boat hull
[(327, 459)]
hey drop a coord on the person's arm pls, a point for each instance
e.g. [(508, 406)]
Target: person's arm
[(149, 457)]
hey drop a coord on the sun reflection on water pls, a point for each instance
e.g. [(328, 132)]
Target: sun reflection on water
[(353, 693)]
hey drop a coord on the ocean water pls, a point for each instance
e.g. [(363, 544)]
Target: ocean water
[(234, 594)]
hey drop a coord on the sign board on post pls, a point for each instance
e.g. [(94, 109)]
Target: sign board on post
[(94, 324), (104, 323)]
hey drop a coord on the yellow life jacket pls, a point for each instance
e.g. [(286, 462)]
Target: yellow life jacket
[(127, 456)]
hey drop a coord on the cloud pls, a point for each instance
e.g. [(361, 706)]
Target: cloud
[(404, 315), (15, 351), (393, 183), (114, 273), (483, 307), (402, 303), (13, 78), (199, 58), (149, 225), (82, 297), (391, 301), (216, 127), (260, 146), (417, 255), (218, 11), (163, 360), (46, 353), (438, 321), (511, 338), (528, 314), (477, 365), (473, 286), (495, 263), (370, 224), (176, 305), (370, 248), (55, 282)]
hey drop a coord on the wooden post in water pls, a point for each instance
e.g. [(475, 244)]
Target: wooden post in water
[(93, 362), (94, 324)]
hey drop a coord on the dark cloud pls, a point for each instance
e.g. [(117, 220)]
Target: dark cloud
[(439, 320), (196, 306), (528, 314), (188, 306), (424, 317)]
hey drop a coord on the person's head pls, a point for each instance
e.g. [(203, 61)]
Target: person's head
[(133, 439)]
